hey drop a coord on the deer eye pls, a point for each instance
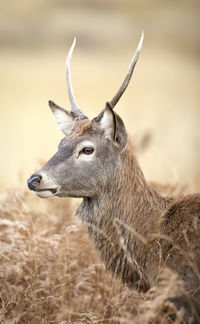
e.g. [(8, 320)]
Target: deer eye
[(87, 150)]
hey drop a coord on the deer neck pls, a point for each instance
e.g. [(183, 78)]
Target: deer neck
[(123, 221)]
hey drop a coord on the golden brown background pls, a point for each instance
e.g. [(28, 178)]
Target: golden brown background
[(162, 103)]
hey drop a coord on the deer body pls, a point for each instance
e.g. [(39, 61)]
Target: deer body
[(135, 230)]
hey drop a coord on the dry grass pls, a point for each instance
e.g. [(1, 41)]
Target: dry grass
[(50, 273)]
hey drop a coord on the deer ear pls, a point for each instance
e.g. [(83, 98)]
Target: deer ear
[(107, 122), (112, 126), (64, 119)]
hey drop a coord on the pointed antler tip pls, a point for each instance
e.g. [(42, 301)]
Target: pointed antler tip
[(140, 42), (74, 107), (71, 50), (74, 43), (128, 76)]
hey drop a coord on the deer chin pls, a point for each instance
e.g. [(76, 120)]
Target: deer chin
[(45, 193)]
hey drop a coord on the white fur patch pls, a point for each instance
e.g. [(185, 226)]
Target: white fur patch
[(106, 124), (45, 186), (82, 156), (64, 121), (86, 157), (46, 182), (44, 194)]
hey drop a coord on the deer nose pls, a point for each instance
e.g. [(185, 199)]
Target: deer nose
[(34, 181)]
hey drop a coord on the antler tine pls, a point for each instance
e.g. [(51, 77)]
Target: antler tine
[(126, 81), (74, 106)]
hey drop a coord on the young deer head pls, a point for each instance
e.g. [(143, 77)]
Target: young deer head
[(90, 154)]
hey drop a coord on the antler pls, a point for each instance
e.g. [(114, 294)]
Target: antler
[(126, 81), (74, 106)]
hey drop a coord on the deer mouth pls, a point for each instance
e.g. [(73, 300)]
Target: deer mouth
[(44, 193)]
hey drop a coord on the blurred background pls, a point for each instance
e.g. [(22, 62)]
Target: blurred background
[(161, 107)]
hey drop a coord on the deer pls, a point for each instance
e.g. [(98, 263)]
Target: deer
[(135, 231)]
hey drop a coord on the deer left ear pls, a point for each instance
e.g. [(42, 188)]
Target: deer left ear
[(112, 126), (64, 119)]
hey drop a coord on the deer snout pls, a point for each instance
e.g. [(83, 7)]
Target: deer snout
[(34, 181), (42, 185)]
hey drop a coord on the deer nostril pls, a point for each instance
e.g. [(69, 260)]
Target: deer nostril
[(34, 181)]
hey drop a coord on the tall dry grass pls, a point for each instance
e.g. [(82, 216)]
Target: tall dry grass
[(49, 272)]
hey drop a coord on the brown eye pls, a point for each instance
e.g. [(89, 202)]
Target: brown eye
[(87, 150)]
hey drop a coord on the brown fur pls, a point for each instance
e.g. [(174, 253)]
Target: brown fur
[(136, 231), (83, 127)]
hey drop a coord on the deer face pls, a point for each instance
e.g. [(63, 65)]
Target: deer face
[(91, 153), (88, 157)]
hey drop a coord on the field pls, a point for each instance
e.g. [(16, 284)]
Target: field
[(49, 270), (50, 273)]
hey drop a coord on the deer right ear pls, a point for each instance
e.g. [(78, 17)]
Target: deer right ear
[(107, 122), (112, 126), (64, 119)]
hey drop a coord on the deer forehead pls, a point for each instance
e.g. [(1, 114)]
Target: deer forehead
[(83, 128)]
